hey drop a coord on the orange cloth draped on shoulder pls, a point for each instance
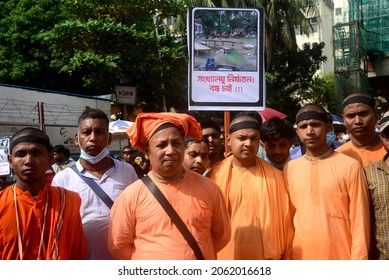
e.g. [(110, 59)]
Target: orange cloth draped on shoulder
[(365, 156), (258, 204), (63, 237), (147, 123)]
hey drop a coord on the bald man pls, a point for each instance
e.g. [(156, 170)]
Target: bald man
[(360, 120), (256, 197), (328, 193), (38, 221)]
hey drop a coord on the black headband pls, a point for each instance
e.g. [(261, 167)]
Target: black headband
[(308, 115), (359, 99), (31, 139), (244, 125)]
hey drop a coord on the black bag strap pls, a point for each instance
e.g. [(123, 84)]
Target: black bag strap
[(95, 187), (173, 216)]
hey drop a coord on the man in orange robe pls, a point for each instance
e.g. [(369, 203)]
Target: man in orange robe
[(328, 191), (360, 120), (38, 221), (139, 226), (256, 198)]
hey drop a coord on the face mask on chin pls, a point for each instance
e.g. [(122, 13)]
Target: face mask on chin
[(94, 159)]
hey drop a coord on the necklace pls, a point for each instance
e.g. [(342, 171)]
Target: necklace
[(329, 151), (170, 181), (20, 244), (375, 142)]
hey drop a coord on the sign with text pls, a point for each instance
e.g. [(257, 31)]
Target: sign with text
[(5, 168), (226, 49), (126, 91)]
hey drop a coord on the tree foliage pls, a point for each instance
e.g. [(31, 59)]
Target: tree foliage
[(103, 41), (322, 91), (291, 76), (85, 46), (20, 50)]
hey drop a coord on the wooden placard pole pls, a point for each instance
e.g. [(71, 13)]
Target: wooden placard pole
[(226, 130)]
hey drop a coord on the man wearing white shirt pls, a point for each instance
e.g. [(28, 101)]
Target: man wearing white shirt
[(111, 175)]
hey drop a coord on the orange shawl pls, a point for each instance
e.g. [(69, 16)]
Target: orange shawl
[(266, 192)]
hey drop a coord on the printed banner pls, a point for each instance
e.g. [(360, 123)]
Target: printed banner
[(5, 168), (226, 49)]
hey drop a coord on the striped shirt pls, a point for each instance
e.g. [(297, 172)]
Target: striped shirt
[(378, 181)]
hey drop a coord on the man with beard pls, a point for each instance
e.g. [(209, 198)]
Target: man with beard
[(277, 136), (360, 121)]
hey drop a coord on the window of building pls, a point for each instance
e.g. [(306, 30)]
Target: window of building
[(338, 11), (297, 30), (313, 22)]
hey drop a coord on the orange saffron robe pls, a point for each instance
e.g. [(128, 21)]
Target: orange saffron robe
[(66, 242), (365, 156), (258, 204), (140, 229), (330, 198)]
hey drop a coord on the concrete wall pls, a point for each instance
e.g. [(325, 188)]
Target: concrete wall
[(19, 108)]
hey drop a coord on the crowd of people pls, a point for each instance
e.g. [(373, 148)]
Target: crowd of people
[(183, 189)]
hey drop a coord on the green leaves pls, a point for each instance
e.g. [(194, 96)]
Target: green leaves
[(85, 46)]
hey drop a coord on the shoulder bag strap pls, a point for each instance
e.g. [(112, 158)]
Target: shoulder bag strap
[(173, 216), (95, 187)]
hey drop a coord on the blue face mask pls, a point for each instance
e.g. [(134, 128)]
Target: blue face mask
[(94, 159), (330, 137)]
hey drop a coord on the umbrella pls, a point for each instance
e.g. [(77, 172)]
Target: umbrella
[(119, 126), (337, 120), (268, 113), (338, 124)]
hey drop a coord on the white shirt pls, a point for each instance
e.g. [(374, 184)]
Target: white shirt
[(94, 213), (59, 167)]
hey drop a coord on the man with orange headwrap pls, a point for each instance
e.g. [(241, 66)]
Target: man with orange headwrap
[(139, 227)]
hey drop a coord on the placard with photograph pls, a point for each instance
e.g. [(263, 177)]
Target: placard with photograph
[(226, 47), (5, 168)]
